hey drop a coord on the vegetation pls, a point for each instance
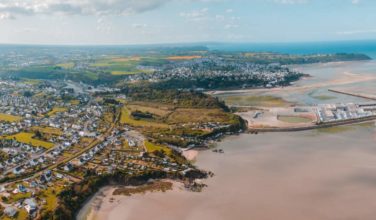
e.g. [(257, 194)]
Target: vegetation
[(48, 130), (57, 110), (155, 186), (253, 100), (28, 138), (151, 147), (286, 59), (10, 118), (183, 57)]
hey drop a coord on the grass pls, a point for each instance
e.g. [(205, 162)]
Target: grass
[(188, 115), (126, 118), (265, 101), (294, 119), (9, 118), (75, 102), (27, 138), (122, 73), (31, 81), (68, 65), (51, 197), (183, 57), (151, 147), (119, 66), (323, 97), (19, 196), (157, 186), (151, 109), (57, 110)]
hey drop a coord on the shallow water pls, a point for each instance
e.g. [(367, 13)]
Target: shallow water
[(324, 73), (309, 175)]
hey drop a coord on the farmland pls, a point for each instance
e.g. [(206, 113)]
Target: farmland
[(9, 118), (56, 110), (27, 138)]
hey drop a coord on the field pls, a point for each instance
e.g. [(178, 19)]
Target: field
[(9, 118), (27, 138), (264, 101), (188, 115), (56, 110), (151, 147), (121, 65), (126, 118), (183, 57), (69, 65), (155, 110), (75, 102)]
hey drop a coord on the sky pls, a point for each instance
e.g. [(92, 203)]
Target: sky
[(93, 22)]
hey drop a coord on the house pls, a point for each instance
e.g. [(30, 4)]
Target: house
[(30, 205), (21, 188), (10, 211), (68, 167), (18, 170), (59, 175)]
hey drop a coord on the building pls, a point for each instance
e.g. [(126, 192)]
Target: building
[(30, 205)]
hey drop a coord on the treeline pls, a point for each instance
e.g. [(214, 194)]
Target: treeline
[(178, 98), (49, 72), (220, 82), (72, 199), (287, 59)]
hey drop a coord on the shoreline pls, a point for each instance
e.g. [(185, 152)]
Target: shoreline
[(105, 201)]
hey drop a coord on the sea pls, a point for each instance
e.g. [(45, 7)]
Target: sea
[(367, 47)]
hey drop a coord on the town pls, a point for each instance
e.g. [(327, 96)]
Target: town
[(53, 133)]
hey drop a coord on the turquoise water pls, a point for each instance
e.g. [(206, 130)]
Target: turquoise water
[(366, 47)]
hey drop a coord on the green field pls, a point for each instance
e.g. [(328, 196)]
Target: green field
[(27, 138), (56, 110), (126, 118), (151, 147), (9, 118), (265, 101)]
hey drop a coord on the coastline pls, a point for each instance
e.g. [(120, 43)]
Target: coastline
[(102, 203), (260, 177)]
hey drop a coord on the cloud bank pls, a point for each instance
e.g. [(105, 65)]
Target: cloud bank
[(13, 8)]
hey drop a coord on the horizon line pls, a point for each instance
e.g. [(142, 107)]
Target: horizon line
[(198, 43)]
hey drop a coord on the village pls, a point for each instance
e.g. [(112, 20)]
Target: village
[(215, 72), (53, 133)]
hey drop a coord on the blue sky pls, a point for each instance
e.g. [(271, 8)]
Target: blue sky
[(175, 21)]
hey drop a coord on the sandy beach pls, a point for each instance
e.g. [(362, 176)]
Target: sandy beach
[(309, 175), (345, 79)]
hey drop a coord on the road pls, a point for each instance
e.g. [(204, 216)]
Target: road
[(94, 143)]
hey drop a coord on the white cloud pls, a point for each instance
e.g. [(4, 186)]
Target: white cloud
[(13, 8), (355, 2), (6, 16), (352, 32), (231, 26), (196, 15), (219, 17), (229, 10), (139, 26), (291, 2)]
